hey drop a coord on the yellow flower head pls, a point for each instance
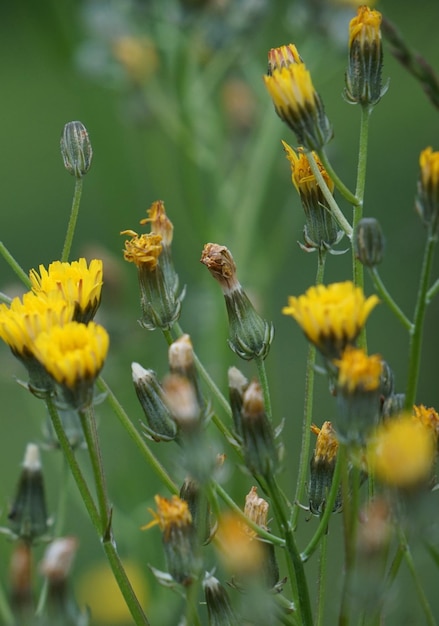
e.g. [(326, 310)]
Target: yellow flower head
[(357, 371), (282, 57), (290, 87), (74, 353), (365, 27), (301, 174), (23, 320), (160, 222), (238, 546), (429, 164), (75, 281), (171, 513), (428, 417), (402, 452), (327, 444), (331, 316), (427, 197), (142, 250)]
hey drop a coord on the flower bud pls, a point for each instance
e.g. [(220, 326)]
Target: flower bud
[(219, 609), (393, 405), (28, 515), (199, 508), (182, 363), (322, 466), (76, 149), (250, 336), (260, 452), (160, 426), (238, 384), (427, 198), (369, 242)]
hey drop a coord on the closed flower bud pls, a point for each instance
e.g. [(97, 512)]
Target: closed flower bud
[(192, 493), (260, 452), (427, 198), (219, 609), (238, 383), (322, 468), (369, 242), (28, 515), (160, 426), (363, 76), (250, 336), (76, 149)]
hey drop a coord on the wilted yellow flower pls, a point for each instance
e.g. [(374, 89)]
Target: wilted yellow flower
[(428, 417), (75, 281), (401, 453), (301, 174), (427, 199), (283, 56), (142, 250), (327, 445), (73, 353), (322, 468), (331, 316), (23, 320), (160, 222), (173, 512), (356, 370), (365, 27)]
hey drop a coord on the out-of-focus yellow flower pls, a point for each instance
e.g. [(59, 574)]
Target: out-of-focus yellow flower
[(23, 320), (142, 250), (138, 55), (238, 547), (171, 512), (77, 282), (331, 316), (402, 452), (356, 370), (73, 353), (428, 417), (427, 199)]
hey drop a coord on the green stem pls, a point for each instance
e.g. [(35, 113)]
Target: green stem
[(6, 614), (385, 295), (432, 291), (322, 580), (335, 209), (345, 192), (108, 542), (125, 421), (418, 584), (308, 407), (328, 512), (262, 372), (24, 278), (72, 221), (295, 563), (418, 322)]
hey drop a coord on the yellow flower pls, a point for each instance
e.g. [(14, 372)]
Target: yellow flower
[(142, 250), (23, 320), (402, 452), (171, 513), (73, 353), (365, 27), (301, 174), (331, 316), (295, 100), (427, 199), (322, 468), (356, 370), (428, 417), (327, 445), (238, 546), (75, 281), (160, 222)]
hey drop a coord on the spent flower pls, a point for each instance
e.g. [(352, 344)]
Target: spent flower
[(295, 100), (322, 466), (250, 336)]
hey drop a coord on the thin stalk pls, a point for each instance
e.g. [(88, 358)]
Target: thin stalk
[(308, 407), (263, 380), (108, 543), (329, 506), (6, 614), (345, 192), (16, 268), (322, 580), (335, 209), (432, 291), (4, 298), (149, 457), (417, 581), (387, 298), (418, 322), (72, 221), (295, 564)]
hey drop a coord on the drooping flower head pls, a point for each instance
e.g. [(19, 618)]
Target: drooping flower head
[(402, 452), (77, 282), (295, 100), (321, 230), (73, 355), (427, 198), (331, 316), (363, 76)]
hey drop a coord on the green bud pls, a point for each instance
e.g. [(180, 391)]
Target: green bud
[(219, 609), (76, 149), (369, 242), (160, 426)]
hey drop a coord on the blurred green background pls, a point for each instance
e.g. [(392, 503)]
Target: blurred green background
[(172, 96)]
